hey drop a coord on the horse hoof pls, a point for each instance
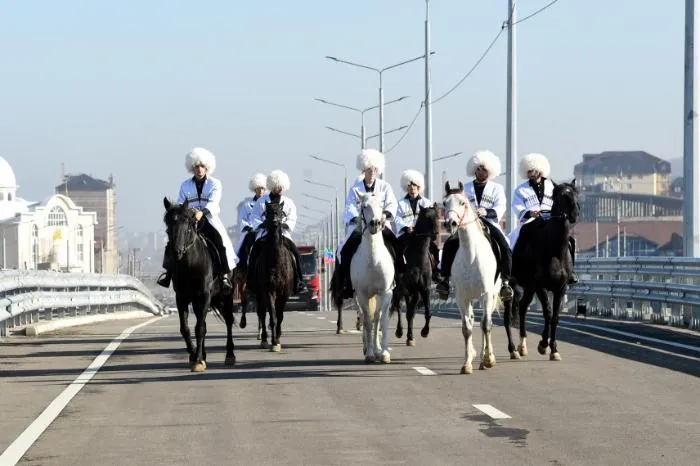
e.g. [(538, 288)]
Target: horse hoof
[(386, 358), (244, 322), (276, 348), (230, 360), (424, 333), (466, 369), (522, 350), (541, 349), (399, 333), (369, 359), (264, 344), (259, 337), (514, 355), (199, 367), (555, 356), (410, 342), (488, 362)]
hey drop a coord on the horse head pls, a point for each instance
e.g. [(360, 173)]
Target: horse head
[(427, 222), (274, 216), (371, 213), (181, 226), (458, 210), (565, 201)]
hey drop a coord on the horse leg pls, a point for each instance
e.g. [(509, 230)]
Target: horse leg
[(200, 307), (367, 346), (556, 307), (229, 319), (522, 308), (467, 311), (384, 305), (546, 312), (244, 303), (272, 308), (396, 306), (339, 327), (508, 307), (261, 309), (183, 312), (488, 359), (425, 296), (411, 303), (279, 308)]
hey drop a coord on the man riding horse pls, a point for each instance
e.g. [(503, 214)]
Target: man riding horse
[(203, 194), (407, 210), (277, 183), (532, 200), (489, 200), (257, 185), (371, 163)]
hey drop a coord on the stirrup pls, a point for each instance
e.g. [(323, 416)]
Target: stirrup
[(164, 280), (443, 290)]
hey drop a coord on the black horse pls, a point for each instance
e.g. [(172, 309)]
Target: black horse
[(240, 276), (414, 284), (542, 262), (272, 275), (194, 282)]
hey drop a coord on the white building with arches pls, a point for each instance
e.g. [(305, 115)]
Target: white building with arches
[(54, 234)]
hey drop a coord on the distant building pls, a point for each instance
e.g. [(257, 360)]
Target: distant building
[(631, 172), (54, 234), (97, 196), (637, 238)]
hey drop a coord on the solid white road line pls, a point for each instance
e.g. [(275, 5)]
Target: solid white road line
[(320, 318), (424, 371), (26, 439), (492, 412)]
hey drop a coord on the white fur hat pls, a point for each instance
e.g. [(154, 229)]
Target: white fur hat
[(488, 160), (259, 180), (277, 179), (197, 156), (535, 162), (412, 176), (371, 158)]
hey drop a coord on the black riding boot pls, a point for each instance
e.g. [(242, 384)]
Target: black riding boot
[(168, 262), (505, 261), (449, 251), (223, 266), (572, 250), (394, 246), (300, 285), (349, 249)]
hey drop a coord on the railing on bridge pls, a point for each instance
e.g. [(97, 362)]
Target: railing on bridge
[(28, 297), (664, 290), (657, 289)]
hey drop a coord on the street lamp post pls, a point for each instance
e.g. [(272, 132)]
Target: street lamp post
[(363, 140), (380, 72), (362, 136), (337, 207), (345, 170), (337, 234)]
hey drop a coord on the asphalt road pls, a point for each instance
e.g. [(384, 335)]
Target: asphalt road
[(623, 394)]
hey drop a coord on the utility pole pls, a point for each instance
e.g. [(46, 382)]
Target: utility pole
[(511, 133), (428, 110), (691, 138)]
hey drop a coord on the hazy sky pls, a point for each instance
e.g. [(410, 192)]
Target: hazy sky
[(128, 87)]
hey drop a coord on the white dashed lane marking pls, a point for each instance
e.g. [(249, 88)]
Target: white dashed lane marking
[(492, 412), (424, 371)]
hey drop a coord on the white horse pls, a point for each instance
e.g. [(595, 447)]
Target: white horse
[(372, 275), (473, 273)]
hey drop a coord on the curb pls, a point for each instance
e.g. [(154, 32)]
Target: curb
[(33, 330)]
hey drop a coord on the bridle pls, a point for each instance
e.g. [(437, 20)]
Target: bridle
[(460, 217), (365, 223)]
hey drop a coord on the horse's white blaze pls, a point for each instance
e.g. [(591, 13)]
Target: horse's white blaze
[(472, 274), (372, 275)]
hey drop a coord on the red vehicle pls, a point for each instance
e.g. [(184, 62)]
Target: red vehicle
[(311, 271)]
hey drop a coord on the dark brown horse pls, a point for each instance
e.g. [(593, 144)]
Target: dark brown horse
[(194, 283)]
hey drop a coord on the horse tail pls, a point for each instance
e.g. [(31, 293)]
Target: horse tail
[(336, 289), (372, 307)]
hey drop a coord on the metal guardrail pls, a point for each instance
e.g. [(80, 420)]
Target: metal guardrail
[(663, 290), (657, 289), (28, 297)]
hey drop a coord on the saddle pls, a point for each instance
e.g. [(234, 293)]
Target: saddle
[(213, 253)]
